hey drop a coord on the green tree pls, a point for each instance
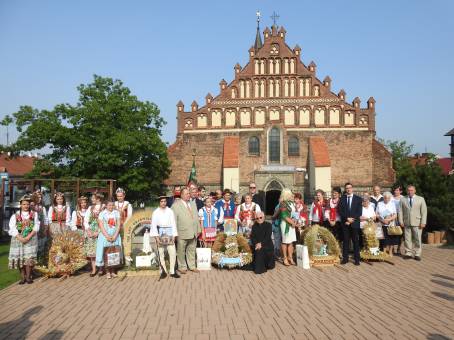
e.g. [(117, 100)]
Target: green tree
[(430, 182), (109, 133), (6, 121), (405, 172)]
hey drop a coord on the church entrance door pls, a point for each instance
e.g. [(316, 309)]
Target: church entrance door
[(272, 198), (272, 194)]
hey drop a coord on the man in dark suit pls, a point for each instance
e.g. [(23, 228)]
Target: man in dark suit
[(350, 210)]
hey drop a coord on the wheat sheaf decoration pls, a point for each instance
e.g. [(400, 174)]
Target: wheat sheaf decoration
[(231, 251), (316, 236), (66, 255)]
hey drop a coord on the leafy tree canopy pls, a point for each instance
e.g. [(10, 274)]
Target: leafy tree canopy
[(430, 182), (108, 134)]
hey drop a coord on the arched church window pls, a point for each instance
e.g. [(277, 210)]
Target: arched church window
[(254, 146), (293, 146), (274, 145)]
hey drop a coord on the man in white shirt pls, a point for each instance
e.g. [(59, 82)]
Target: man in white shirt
[(164, 230)]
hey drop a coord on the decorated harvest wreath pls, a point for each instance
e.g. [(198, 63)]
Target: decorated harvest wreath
[(231, 251), (66, 255), (371, 251), (321, 244)]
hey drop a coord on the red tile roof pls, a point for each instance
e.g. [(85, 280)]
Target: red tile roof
[(231, 152), (16, 166), (445, 164), (319, 150)]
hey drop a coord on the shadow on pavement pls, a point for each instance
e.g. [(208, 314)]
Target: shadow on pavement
[(443, 277), (19, 327), (54, 335), (444, 296), (437, 337), (443, 283)]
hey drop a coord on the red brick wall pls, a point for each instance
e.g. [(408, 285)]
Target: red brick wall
[(355, 156)]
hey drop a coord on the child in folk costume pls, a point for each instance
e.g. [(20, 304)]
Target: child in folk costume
[(228, 207), (91, 228), (123, 207), (37, 206), (23, 229), (317, 210), (78, 215), (59, 215), (245, 215), (208, 217), (332, 216), (109, 224)]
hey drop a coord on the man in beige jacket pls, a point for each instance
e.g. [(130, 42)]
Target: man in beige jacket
[(413, 218), (188, 227)]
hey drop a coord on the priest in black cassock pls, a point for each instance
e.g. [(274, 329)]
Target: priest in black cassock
[(262, 245)]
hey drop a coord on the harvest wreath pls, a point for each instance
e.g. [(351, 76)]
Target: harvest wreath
[(321, 244), (231, 251), (66, 255)]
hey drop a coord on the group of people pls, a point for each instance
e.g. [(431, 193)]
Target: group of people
[(344, 214), (191, 217), (32, 229)]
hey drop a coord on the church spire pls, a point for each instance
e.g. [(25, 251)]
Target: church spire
[(258, 37)]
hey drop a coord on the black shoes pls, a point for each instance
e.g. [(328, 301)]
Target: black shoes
[(175, 275), (21, 282), (407, 257), (163, 275), (418, 258), (356, 263), (29, 281), (344, 262)]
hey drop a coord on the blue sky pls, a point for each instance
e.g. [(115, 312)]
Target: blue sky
[(400, 52)]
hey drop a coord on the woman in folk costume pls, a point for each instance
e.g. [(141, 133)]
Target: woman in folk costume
[(208, 217), (123, 207), (317, 209), (23, 229), (78, 215), (245, 215), (109, 224), (37, 206), (59, 215), (227, 205), (332, 216), (300, 215), (288, 226), (91, 228)]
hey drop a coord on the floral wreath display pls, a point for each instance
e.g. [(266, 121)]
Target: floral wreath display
[(371, 251), (231, 251), (322, 246), (66, 255)]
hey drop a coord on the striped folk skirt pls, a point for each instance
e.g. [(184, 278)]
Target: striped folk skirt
[(23, 254)]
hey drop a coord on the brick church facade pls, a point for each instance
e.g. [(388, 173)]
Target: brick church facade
[(277, 124)]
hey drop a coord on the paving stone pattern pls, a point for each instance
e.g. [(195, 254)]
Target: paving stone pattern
[(411, 300)]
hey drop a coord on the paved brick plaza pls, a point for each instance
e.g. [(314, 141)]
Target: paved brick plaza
[(410, 300)]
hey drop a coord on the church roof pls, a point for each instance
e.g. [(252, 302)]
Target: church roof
[(231, 152), (319, 150), (450, 133), (258, 40)]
